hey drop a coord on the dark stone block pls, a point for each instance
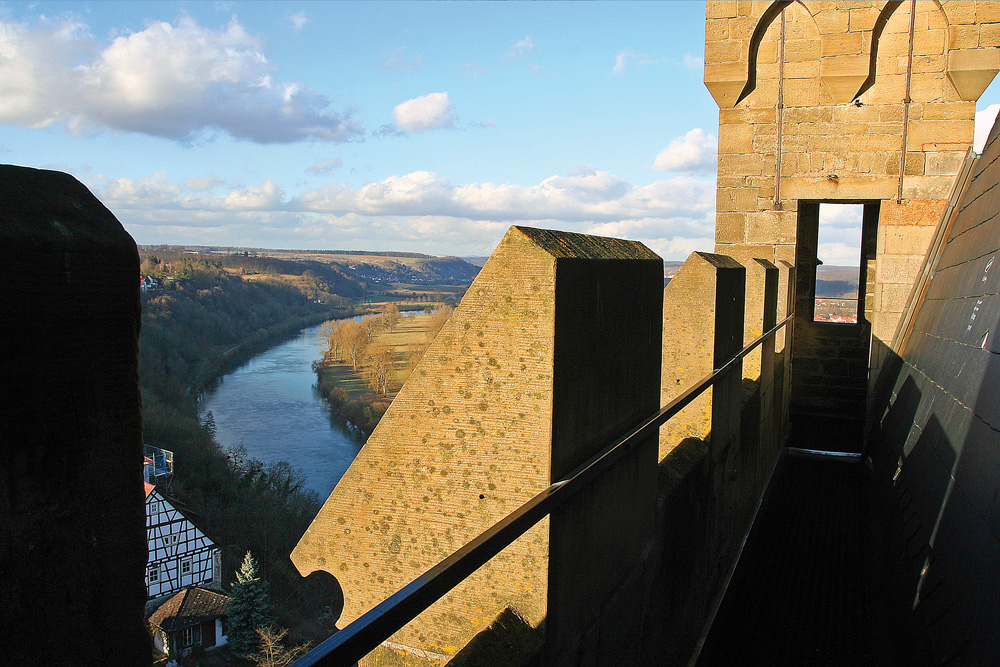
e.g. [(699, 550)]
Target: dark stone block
[(72, 519)]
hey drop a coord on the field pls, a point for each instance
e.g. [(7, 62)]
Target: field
[(410, 334)]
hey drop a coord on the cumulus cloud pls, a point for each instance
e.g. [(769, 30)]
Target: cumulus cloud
[(984, 123), (169, 80), (325, 166), (694, 153), (422, 211), (427, 112)]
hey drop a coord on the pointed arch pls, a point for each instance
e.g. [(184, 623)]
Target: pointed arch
[(880, 22), (766, 19)]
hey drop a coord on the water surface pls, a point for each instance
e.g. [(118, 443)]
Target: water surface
[(272, 406)]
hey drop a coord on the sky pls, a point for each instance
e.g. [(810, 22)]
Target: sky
[(416, 126)]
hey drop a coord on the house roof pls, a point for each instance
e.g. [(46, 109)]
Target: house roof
[(190, 606), (149, 488)]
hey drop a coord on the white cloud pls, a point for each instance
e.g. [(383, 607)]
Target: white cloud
[(984, 123), (630, 58), (844, 216), (298, 20), (168, 80), (203, 183), (472, 71), (325, 166), (519, 49), (420, 210), (695, 153), (427, 112), (693, 63)]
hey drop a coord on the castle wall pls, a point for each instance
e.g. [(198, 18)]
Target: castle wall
[(72, 518), (547, 356), (937, 453)]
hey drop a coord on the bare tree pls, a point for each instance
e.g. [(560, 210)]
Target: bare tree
[(379, 366), (273, 652), (354, 339), (371, 324), (390, 316), (333, 332)]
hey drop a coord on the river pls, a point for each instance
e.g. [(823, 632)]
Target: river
[(272, 406)]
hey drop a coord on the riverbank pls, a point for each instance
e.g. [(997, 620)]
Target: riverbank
[(346, 390)]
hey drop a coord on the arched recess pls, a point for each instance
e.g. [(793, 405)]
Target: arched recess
[(880, 22), (766, 18)]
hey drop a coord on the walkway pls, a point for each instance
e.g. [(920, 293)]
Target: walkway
[(804, 594)]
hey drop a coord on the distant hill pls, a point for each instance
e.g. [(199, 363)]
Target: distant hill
[(837, 281), (340, 268)]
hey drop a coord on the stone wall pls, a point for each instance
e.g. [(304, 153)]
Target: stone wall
[(816, 102), (72, 517), (547, 356), (937, 451)]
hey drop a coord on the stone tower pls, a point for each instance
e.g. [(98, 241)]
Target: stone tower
[(853, 102)]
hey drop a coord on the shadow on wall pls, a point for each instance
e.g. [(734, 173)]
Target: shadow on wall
[(937, 470)]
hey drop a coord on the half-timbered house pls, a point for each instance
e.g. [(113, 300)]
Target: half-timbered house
[(180, 554)]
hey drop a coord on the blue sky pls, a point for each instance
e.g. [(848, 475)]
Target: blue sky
[(417, 126)]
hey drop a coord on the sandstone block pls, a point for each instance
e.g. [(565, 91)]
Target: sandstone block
[(987, 12), (720, 9), (928, 42), (963, 37), (737, 199), (833, 20), (972, 71), (906, 240), (729, 227), (927, 187), (798, 50), (801, 92), (924, 132), (944, 162), (949, 111), (735, 138), (840, 44), (863, 19), (961, 12)]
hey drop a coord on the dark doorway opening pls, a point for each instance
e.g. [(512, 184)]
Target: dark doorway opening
[(833, 310)]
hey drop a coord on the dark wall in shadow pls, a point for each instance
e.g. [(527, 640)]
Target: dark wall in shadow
[(936, 447)]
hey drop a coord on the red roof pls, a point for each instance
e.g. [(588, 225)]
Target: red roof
[(189, 607), (149, 488)]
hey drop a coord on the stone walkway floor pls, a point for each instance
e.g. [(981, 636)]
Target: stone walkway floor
[(805, 593)]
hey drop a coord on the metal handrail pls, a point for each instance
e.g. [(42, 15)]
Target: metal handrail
[(379, 623)]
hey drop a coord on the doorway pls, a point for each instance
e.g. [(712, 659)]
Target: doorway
[(835, 271)]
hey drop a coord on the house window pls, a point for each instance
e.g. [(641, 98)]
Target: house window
[(154, 574), (186, 566), (191, 636), (154, 506)]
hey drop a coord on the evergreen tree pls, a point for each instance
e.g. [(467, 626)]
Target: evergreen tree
[(249, 609)]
